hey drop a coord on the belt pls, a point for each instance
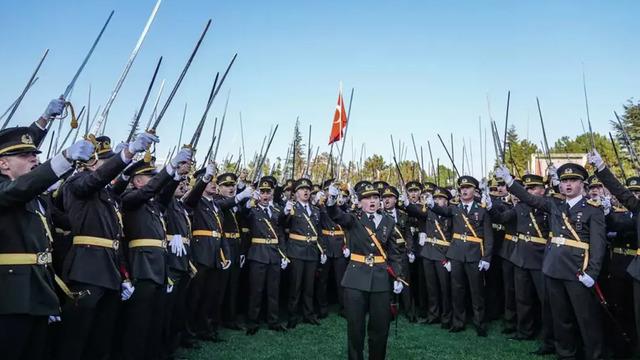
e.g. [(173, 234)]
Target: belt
[(333, 232), (369, 259), (533, 239), (497, 227), (465, 237), (510, 237), (62, 231), (245, 230), (264, 241), (232, 235), (96, 241), (624, 251), (400, 241), (147, 242), (209, 233), (571, 243), (303, 237), (185, 240), (41, 258), (437, 242)]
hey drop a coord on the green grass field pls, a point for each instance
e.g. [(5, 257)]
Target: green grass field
[(329, 341)]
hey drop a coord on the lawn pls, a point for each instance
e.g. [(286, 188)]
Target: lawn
[(328, 341)]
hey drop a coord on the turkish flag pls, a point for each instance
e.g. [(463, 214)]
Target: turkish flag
[(339, 121)]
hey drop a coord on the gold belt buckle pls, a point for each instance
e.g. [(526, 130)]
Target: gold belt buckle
[(115, 245), (164, 243), (560, 241), (44, 258), (332, 233), (309, 238), (268, 241), (369, 260), (527, 238), (463, 237)]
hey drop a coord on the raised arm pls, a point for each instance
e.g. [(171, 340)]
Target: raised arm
[(137, 197), (624, 195)]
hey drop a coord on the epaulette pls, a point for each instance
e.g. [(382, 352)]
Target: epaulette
[(620, 209), (483, 205), (558, 196), (594, 203)]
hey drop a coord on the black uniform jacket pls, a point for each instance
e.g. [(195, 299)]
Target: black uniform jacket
[(300, 223), (178, 223), (332, 237), (431, 250), (263, 226)]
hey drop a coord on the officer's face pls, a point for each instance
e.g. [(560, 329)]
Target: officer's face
[(139, 181), (467, 193), (596, 192), (370, 204), (536, 190), (265, 197), (414, 195), (389, 202), (182, 189), (211, 189), (17, 165), (502, 190), (303, 194), (440, 201), (227, 190), (571, 187)]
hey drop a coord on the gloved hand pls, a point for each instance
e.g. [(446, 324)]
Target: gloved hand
[(346, 252), (422, 238), (226, 265), (242, 260), (142, 142), (333, 192), (320, 196), (54, 319), (323, 259), (80, 150), (503, 172), (126, 290), (447, 265), (429, 200), (209, 172), (288, 207), (552, 172), (484, 184), (177, 246), (244, 194), (411, 257), (486, 199), (606, 204), (594, 158), (256, 195), (404, 199), (483, 265), (397, 287), (55, 108), (283, 264), (183, 155), (586, 280), (121, 146), (169, 288)]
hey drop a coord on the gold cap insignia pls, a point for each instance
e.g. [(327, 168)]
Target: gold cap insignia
[(26, 139), (633, 182), (568, 171)]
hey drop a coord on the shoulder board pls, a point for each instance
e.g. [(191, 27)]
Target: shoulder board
[(558, 196), (401, 211), (482, 205), (619, 209), (594, 203)]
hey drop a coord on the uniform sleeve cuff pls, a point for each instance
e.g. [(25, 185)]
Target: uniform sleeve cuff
[(60, 165), (124, 158)]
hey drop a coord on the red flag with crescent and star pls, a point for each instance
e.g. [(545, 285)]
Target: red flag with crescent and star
[(339, 121)]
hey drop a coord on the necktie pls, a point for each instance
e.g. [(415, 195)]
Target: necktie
[(466, 209), (373, 220)]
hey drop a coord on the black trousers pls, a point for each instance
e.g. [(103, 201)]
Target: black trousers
[(261, 277), (88, 325), (419, 286), (439, 291), (301, 283), (636, 306), (219, 286), (230, 304), (618, 290), (530, 286), (576, 312), (175, 310), (494, 289), (200, 298), (23, 337), (408, 304), (508, 283), (357, 305), (142, 321), (338, 265), (461, 274)]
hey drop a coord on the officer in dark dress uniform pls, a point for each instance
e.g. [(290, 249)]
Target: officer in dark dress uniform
[(572, 261), (303, 221), (28, 297), (419, 294), (366, 282), (266, 255), (469, 253), (97, 232)]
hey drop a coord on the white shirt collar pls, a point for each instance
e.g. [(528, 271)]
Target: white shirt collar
[(376, 217), (574, 201), (470, 203)]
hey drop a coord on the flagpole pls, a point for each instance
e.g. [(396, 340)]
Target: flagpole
[(344, 137)]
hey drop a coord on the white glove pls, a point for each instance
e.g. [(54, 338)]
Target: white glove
[(127, 290), (411, 257), (242, 260), (209, 172), (486, 199), (404, 199), (244, 194), (447, 265), (319, 196), (177, 246), (346, 252), (397, 287), (182, 156), (586, 280), (288, 207), (334, 192), (422, 238), (594, 158), (80, 150), (169, 288), (606, 204), (256, 195), (484, 184), (283, 264), (483, 265), (503, 172), (323, 259), (121, 146), (55, 108), (142, 142), (226, 265), (429, 200), (552, 172), (53, 319)]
